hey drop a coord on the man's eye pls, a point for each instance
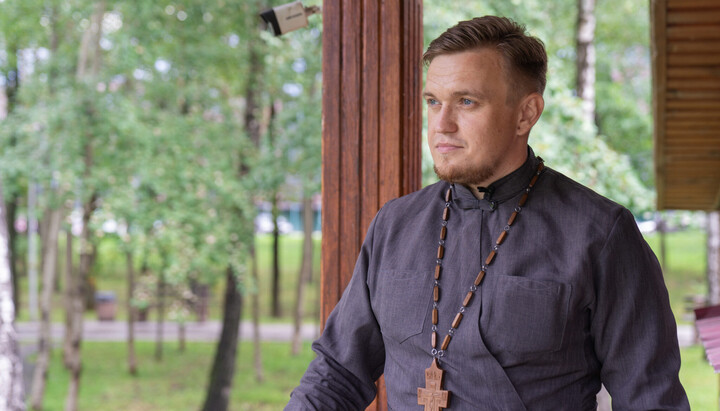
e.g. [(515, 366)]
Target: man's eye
[(467, 102), (432, 102)]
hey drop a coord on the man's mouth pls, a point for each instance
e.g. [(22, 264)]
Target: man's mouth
[(445, 148)]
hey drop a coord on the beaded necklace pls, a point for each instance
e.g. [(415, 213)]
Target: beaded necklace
[(433, 397)]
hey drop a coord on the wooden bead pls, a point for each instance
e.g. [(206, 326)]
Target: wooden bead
[(443, 233), (448, 195), (468, 298), (446, 342), (479, 278), (512, 218), (436, 293), (437, 272), (446, 213), (534, 180), (435, 316), (490, 257), (434, 339), (456, 321), (523, 199), (501, 237), (441, 251)]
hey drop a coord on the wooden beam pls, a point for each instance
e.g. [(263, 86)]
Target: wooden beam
[(371, 127)]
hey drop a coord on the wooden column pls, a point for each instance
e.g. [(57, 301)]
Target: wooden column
[(371, 142)]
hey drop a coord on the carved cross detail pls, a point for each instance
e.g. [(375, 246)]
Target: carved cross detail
[(433, 397)]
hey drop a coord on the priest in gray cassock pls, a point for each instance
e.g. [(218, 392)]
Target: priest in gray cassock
[(506, 285)]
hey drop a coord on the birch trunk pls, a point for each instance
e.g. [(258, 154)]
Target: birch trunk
[(11, 371), (585, 39), (49, 271)]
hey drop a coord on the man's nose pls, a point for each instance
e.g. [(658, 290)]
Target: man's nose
[(445, 121)]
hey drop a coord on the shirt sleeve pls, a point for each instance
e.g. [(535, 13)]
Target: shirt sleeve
[(633, 327), (350, 351)]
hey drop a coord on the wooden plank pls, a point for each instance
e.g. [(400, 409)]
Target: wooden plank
[(693, 95), (391, 61), (708, 73), (708, 46), (691, 4), (704, 32), (692, 84), (694, 16), (412, 49), (350, 154), (672, 104), (703, 115), (689, 60), (330, 217), (692, 124), (371, 112)]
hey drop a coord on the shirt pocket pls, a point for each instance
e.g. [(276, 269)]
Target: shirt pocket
[(401, 303), (527, 316)]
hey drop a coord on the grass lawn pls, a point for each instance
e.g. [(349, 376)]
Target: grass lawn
[(176, 383), (685, 271)]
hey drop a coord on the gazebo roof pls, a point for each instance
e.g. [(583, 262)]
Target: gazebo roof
[(686, 86)]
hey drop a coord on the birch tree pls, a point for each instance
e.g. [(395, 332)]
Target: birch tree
[(11, 367)]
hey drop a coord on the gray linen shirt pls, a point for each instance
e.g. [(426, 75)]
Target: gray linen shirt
[(574, 297)]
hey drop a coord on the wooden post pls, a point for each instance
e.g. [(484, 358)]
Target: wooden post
[(372, 118)]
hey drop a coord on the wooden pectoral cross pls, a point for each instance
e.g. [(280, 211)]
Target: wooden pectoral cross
[(433, 397)]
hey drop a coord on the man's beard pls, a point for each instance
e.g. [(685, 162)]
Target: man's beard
[(472, 175)]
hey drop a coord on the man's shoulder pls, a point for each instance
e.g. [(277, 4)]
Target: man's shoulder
[(419, 198), (579, 196)]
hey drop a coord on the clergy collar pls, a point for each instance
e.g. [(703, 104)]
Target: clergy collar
[(499, 191)]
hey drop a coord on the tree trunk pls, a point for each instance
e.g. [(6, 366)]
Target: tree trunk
[(11, 370), (49, 268), (131, 313), (275, 297), (257, 351), (160, 315), (223, 369), (713, 252), (181, 336), (305, 272), (12, 86), (11, 207), (88, 67), (68, 298), (585, 38), (32, 257)]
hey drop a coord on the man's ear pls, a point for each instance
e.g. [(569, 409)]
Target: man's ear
[(531, 106)]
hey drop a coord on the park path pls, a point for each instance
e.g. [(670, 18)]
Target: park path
[(147, 331), (210, 331)]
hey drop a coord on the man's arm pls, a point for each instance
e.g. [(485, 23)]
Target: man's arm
[(633, 326), (350, 352)]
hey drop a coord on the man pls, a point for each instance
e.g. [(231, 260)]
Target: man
[(505, 286)]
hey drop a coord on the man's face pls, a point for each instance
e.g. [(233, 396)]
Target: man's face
[(473, 130)]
